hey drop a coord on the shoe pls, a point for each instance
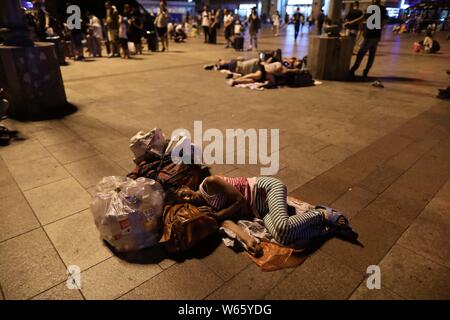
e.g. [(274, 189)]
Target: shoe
[(351, 75), (208, 67), (365, 75), (378, 84)]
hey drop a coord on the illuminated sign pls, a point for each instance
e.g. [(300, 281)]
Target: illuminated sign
[(299, 2), (393, 12)]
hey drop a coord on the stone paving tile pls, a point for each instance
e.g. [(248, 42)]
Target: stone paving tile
[(78, 241), (225, 262), (20, 151), (60, 292), (55, 136), (413, 276), (57, 200), (112, 278), (353, 201), (188, 280), (380, 179), (90, 171), (71, 151), (376, 235), (396, 208), (317, 278), (413, 152), (428, 235), (16, 216), (32, 174), (324, 189), (363, 293), (29, 265), (293, 178), (251, 284), (9, 186)]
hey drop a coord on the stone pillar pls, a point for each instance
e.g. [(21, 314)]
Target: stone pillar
[(334, 10), (29, 72), (329, 56)]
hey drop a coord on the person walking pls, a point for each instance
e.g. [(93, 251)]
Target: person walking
[(161, 22), (296, 20), (228, 20), (276, 23), (372, 37), (254, 26), (206, 22), (112, 24), (320, 21)]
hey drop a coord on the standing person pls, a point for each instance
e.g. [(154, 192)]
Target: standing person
[(254, 26), (161, 22), (112, 23), (276, 23), (214, 22), (123, 36), (42, 19), (206, 22), (320, 21), (353, 20), (95, 25), (135, 30), (228, 26), (296, 20), (371, 39)]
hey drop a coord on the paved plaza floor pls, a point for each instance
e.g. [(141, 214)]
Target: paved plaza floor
[(382, 155)]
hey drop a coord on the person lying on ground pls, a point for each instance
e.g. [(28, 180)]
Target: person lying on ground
[(429, 45), (232, 198)]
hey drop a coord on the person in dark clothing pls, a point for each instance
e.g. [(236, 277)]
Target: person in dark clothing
[(353, 20), (320, 21), (372, 37), (42, 20), (297, 21), (136, 27), (255, 25)]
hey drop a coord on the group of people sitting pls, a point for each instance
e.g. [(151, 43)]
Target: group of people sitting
[(270, 69)]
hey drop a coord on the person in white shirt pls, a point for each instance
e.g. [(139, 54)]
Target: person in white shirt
[(96, 33), (206, 21), (276, 23)]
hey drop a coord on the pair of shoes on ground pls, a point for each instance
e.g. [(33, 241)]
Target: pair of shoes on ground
[(6, 135)]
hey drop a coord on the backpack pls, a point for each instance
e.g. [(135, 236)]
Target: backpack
[(185, 226), (298, 79)]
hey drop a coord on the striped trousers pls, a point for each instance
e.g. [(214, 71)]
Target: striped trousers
[(271, 204)]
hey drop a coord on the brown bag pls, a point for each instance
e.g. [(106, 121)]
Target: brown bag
[(185, 226), (177, 175)]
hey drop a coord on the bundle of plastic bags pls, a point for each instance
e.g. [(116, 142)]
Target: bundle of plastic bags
[(148, 144), (128, 212)]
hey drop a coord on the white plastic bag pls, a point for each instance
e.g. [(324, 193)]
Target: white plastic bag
[(146, 143), (183, 150), (128, 213)]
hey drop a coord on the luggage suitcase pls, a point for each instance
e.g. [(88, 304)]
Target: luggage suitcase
[(152, 41), (239, 43)]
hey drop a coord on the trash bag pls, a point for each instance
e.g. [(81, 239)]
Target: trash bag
[(147, 145), (128, 213)]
